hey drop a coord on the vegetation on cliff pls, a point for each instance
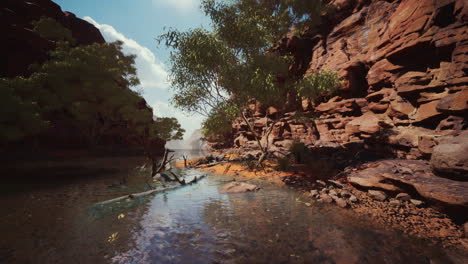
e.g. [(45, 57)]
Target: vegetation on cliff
[(218, 73), (82, 94)]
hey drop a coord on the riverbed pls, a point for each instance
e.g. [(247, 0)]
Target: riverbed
[(50, 216)]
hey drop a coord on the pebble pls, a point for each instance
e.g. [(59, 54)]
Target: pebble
[(417, 203), (378, 195), (404, 170), (353, 199), (341, 202), (326, 198), (345, 194), (337, 183), (314, 193), (403, 197), (321, 182), (395, 203)]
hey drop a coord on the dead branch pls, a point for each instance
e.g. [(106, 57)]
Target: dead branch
[(177, 178), (141, 194)]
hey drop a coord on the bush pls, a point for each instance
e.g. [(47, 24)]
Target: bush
[(299, 150), (284, 164), (319, 86)]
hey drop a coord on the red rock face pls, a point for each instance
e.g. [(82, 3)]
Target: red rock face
[(405, 65), (20, 47)]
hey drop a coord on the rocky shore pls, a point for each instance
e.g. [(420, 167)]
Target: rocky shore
[(402, 199), (395, 133)]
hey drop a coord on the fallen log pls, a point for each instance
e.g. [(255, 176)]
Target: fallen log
[(141, 194)]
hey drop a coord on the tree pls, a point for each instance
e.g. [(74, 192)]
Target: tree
[(217, 73), (86, 90)]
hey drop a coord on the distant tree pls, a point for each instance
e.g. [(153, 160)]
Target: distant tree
[(217, 73), (168, 128)]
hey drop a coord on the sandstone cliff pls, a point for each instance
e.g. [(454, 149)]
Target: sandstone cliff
[(405, 67)]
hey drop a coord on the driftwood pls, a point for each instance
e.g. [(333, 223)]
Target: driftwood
[(166, 160), (135, 195), (142, 194)]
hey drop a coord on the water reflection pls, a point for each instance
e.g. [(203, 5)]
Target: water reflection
[(47, 220), (199, 225)]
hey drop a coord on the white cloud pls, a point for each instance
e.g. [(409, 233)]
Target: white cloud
[(153, 77), (182, 6), (152, 74)]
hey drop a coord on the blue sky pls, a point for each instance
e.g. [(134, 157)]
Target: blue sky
[(137, 23)]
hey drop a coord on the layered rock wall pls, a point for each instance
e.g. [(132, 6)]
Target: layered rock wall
[(405, 65)]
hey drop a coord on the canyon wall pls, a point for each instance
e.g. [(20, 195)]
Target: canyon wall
[(20, 46), (404, 64)]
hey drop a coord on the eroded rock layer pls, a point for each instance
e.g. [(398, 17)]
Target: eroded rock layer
[(405, 67)]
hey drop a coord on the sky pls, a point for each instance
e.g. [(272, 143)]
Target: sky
[(138, 23)]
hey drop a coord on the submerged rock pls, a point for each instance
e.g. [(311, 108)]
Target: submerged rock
[(238, 187)]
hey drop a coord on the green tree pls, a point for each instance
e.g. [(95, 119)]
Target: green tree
[(217, 73), (88, 89), (50, 29)]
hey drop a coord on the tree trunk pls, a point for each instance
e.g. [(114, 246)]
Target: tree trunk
[(263, 149)]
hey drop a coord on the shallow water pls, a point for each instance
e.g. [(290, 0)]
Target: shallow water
[(60, 223)]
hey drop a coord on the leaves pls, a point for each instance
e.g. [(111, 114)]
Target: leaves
[(87, 88), (217, 73)]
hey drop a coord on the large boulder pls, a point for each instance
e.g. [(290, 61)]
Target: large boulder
[(454, 103), (394, 175), (451, 155)]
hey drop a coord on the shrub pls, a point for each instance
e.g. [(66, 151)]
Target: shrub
[(284, 164)]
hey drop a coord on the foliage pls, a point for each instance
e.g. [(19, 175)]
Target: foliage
[(168, 128), (219, 121), (18, 117), (283, 164), (299, 151), (320, 85), (249, 164), (216, 73), (50, 29), (84, 89)]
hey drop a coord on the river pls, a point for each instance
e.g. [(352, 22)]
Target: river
[(49, 215)]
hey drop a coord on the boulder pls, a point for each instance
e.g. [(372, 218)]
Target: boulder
[(326, 198), (367, 123), (340, 202), (417, 203), (403, 197), (427, 111), (238, 187), (381, 174), (454, 103), (378, 195), (372, 178), (451, 155)]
